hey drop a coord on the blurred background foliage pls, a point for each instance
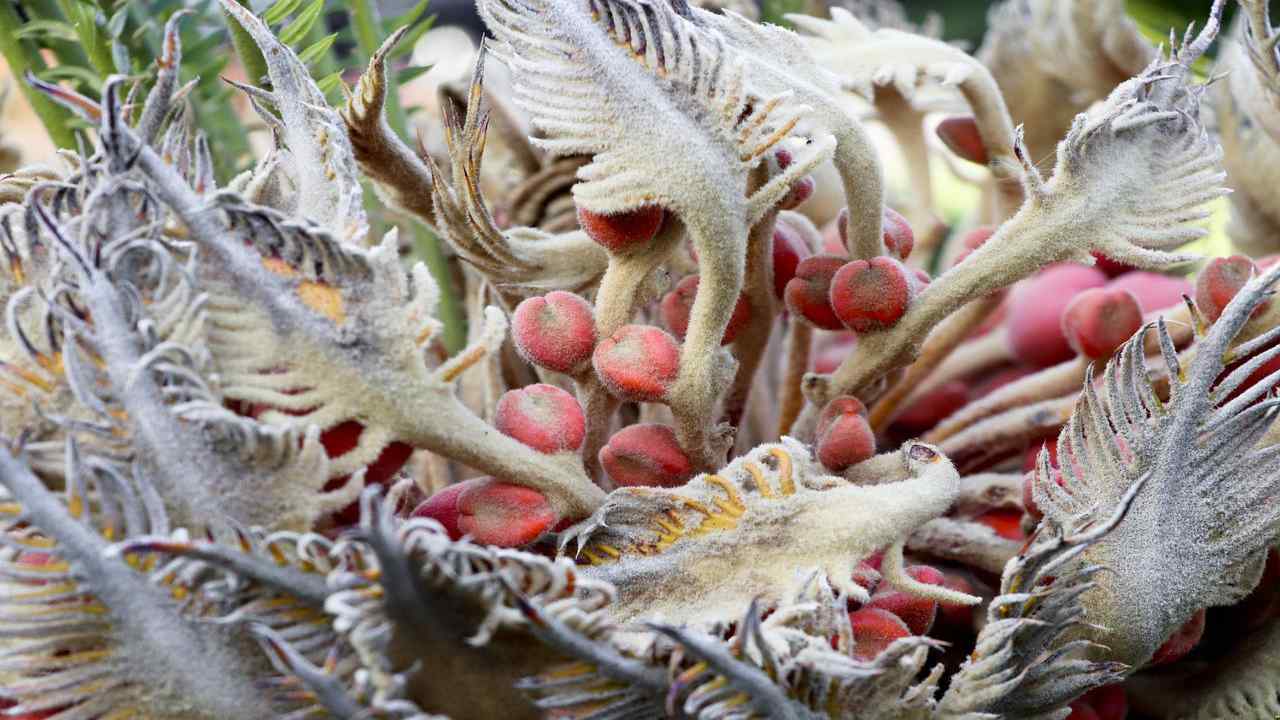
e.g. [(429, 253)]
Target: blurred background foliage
[(966, 19)]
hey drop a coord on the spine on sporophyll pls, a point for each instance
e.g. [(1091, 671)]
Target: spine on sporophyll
[(646, 455), (677, 304), (638, 362), (490, 512), (544, 417), (556, 331)]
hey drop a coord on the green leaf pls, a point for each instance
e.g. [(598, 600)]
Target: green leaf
[(78, 123), (47, 30), (115, 26), (407, 74), (120, 58), (85, 77), (280, 10), (772, 11), (318, 48), (329, 83), (411, 38), (213, 68), (293, 33), (390, 25), (203, 46)]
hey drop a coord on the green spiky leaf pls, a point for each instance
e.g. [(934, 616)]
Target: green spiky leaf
[(317, 49), (329, 83), (280, 10), (294, 32), (407, 74), (47, 30), (411, 38)]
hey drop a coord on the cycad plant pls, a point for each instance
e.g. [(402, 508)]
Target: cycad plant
[(738, 427)]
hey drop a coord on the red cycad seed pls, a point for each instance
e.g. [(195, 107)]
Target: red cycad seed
[(624, 231), (491, 512), (1182, 641), (342, 439), (556, 331), (874, 630), (800, 191), (845, 405), (844, 436), (957, 615), (788, 250), (827, 357), (929, 409), (898, 237), (917, 613), (646, 455), (1082, 710), (866, 575), (443, 506), (1035, 312), (870, 295), (1263, 604), (1112, 268), (677, 304), (1005, 522), (961, 136), (1098, 321), (1110, 702), (638, 362), (1153, 290), (971, 241), (544, 417), (809, 292), (835, 235), (1219, 282)]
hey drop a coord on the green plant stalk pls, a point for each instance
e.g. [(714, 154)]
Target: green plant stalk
[(367, 27), (450, 311), (255, 66), (68, 53), (98, 50), (56, 118)]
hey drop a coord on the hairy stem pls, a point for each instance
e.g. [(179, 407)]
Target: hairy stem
[(799, 345), (720, 240), (367, 26), (1021, 246), (618, 299), (940, 343), (748, 348)]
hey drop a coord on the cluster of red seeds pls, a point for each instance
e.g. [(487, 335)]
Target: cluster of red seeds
[(1065, 311)]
